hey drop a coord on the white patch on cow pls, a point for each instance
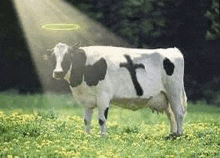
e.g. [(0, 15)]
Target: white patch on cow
[(59, 50)]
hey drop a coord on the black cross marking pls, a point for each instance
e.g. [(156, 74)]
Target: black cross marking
[(132, 70)]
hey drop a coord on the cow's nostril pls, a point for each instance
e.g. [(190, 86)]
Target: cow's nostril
[(58, 75)]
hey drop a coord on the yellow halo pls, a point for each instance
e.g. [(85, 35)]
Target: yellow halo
[(60, 27)]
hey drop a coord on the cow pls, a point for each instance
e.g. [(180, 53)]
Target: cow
[(127, 77)]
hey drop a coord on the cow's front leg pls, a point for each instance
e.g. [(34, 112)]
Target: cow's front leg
[(103, 106), (87, 118), (103, 114)]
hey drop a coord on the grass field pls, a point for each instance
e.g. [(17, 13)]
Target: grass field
[(52, 125)]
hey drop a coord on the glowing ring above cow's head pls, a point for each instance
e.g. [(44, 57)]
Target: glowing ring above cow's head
[(61, 27)]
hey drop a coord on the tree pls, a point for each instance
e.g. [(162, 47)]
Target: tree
[(214, 16), (139, 21)]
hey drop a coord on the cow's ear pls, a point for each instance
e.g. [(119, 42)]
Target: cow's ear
[(76, 45)]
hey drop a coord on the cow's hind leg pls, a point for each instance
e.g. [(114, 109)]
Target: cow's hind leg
[(178, 110), (171, 117), (87, 118)]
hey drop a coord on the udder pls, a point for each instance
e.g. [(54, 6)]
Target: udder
[(158, 102)]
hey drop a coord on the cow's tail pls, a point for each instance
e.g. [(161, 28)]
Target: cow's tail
[(184, 99)]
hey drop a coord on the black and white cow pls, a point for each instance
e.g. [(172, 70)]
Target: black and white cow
[(130, 78)]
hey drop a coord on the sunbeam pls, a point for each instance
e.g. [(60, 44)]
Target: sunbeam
[(46, 23), (16, 65)]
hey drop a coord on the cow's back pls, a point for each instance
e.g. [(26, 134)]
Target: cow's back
[(118, 80)]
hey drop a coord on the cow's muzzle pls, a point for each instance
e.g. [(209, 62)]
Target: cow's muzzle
[(58, 75)]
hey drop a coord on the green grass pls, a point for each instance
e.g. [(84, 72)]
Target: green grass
[(52, 125)]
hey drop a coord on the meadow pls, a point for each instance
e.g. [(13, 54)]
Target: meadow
[(51, 125)]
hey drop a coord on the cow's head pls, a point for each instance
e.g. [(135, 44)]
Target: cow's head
[(71, 65), (63, 59)]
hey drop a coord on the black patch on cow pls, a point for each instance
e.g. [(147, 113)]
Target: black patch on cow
[(101, 122), (168, 66), (66, 63), (132, 70), (92, 73), (78, 65), (106, 113), (95, 73)]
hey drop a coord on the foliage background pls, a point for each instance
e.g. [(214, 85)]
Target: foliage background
[(192, 26)]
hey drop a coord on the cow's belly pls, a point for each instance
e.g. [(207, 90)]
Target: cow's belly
[(158, 102)]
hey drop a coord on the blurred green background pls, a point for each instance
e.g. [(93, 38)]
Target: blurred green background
[(192, 26)]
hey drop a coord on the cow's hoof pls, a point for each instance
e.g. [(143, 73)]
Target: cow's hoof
[(174, 136), (88, 131), (171, 137), (103, 135)]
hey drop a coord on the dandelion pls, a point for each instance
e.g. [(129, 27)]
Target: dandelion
[(83, 148), (102, 156), (5, 149), (182, 150), (2, 113), (57, 141), (77, 154), (63, 149), (85, 142), (38, 146), (135, 144)]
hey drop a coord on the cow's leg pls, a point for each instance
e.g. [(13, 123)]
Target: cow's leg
[(171, 117), (178, 110), (87, 118), (103, 106), (103, 113)]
